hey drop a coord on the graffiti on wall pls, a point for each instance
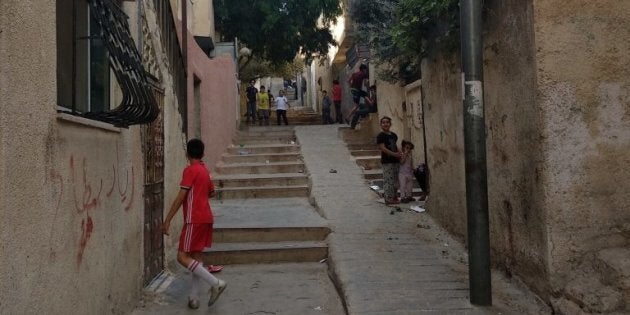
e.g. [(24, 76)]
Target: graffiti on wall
[(88, 193)]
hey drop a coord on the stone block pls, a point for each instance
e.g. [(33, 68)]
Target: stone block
[(593, 295)]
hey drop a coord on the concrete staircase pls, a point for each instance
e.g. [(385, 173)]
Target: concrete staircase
[(261, 209), (264, 162), (364, 150)]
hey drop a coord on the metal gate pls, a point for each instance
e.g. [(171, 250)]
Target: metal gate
[(153, 150)]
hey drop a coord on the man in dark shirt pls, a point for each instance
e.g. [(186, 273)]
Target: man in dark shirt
[(251, 102)]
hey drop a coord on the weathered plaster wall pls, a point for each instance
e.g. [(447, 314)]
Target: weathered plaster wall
[(556, 97), (414, 130), (71, 194), (441, 85), (174, 137), (203, 18), (390, 98), (584, 78), (219, 100), (517, 216), (517, 219)]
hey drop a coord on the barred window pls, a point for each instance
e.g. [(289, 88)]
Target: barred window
[(93, 46)]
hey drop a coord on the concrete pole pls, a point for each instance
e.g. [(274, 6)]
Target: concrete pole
[(475, 153)]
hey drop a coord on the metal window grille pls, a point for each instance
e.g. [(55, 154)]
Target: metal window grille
[(138, 105)]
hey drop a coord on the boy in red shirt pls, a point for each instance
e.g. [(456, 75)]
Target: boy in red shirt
[(196, 188), (336, 97)]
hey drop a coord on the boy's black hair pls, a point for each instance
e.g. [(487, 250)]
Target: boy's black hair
[(262, 87), (363, 67), (335, 81), (386, 117), (405, 142), (194, 149), (324, 91)]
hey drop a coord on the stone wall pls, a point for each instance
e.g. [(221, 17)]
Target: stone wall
[(71, 192), (218, 100), (556, 106), (517, 219), (584, 94)]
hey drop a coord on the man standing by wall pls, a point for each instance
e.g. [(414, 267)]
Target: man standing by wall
[(251, 102)]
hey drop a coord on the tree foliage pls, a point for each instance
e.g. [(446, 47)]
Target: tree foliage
[(401, 32), (258, 68), (277, 30)]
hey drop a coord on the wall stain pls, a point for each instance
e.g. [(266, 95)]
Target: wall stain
[(86, 198)]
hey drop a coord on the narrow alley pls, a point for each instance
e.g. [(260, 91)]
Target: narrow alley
[(376, 259), (369, 157)]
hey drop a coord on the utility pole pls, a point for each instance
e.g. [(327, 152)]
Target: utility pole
[(475, 148)]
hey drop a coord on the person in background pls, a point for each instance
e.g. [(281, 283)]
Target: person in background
[(326, 105), (336, 98), (357, 81), (263, 102), (251, 93), (405, 173), (282, 105), (365, 108)]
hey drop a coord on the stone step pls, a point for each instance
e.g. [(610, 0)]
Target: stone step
[(373, 174), (269, 234), (262, 180), (366, 152), (261, 168), (262, 192), (261, 158), (248, 141), (264, 129), (362, 146), (379, 182), (594, 296), (349, 135), (266, 133), (369, 162), (265, 252), (263, 148), (415, 192), (614, 265)]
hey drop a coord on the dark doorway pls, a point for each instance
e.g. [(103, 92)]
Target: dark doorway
[(153, 150)]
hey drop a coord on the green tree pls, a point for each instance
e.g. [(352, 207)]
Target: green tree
[(257, 68), (277, 30), (401, 32)]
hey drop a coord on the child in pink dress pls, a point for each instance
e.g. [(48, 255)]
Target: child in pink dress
[(405, 172)]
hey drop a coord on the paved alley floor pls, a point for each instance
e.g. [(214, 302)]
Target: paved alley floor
[(386, 261), (382, 260)]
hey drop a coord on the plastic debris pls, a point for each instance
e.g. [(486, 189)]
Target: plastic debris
[(417, 209)]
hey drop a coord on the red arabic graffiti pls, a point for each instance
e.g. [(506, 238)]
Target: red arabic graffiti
[(87, 197)]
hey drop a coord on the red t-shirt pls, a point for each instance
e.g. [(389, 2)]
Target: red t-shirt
[(357, 80), (196, 179), (336, 92)]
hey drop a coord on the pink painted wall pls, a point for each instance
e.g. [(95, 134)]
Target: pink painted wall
[(218, 99)]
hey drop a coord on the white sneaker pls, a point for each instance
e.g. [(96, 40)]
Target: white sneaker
[(215, 292)]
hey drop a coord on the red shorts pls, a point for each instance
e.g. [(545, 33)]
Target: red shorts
[(195, 237)]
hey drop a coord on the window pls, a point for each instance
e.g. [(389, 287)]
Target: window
[(94, 44), (83, 72)]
